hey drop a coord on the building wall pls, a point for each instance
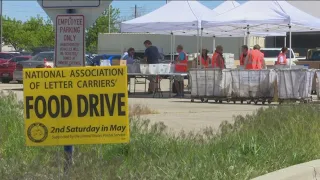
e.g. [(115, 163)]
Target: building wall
[(111, 43), (310, 7)]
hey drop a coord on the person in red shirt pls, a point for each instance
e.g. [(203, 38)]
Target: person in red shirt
[(282, 58), (204, 59), (217, 58)]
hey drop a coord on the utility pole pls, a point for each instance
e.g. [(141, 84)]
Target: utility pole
[(1, 4), (135, 11)]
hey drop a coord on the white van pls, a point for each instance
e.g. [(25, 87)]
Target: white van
[(271, 55)]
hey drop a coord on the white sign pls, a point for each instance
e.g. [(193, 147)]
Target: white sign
[(69, 48), (69, 3)]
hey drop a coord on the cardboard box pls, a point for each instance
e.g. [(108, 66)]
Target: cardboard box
[(189, 65), (116, 62)]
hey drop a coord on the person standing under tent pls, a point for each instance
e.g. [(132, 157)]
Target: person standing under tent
[(282, 58), (151, 56), (255, 59), (217, 58), (243, 54), (181, 66), (129, 56), (204, 59)]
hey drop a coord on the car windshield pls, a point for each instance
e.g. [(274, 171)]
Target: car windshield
[(315, 55), (274, 53), (41, 56), (18, 59), (5, 56), (89, 62), (101, 57)]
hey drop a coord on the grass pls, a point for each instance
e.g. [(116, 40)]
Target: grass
[(271, 139)]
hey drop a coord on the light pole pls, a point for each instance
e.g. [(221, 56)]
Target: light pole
[(109, 17)]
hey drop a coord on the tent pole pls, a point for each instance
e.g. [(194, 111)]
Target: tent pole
[(201, 44), (213, 46), (197, 47), (248, 36), (285, 41), (290, 34), (173, 47), (171, 43)]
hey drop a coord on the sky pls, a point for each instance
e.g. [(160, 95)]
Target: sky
[(23, 10)]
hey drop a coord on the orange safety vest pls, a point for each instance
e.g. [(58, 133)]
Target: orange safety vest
[(284, 59), (255, 58), (215, 62), (182, 65), (205, 63), (242, 58)]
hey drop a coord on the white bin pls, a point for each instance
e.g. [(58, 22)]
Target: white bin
[(318, 84), (253, 83), (210, 82), (153, 68), (294, 83), (166, 68), (144, 68)]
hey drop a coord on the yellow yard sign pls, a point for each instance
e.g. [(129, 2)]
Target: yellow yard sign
[(82, 105)]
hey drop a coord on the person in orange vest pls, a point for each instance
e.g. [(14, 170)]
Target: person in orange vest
[(244, 54), (204, 61), (255, 59), (282, 59), (181, 66), (217, 58)]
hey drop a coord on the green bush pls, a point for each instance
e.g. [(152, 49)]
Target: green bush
[(271, 139)]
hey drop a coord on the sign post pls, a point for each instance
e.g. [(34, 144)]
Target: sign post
[(69, 51), (75, 105)]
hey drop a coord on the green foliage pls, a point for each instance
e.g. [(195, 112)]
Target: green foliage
[(36, 32), (39, 32), (271, 139), (101, 26)]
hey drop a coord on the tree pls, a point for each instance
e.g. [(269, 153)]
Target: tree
[(101, 26), (36, 32), (13, 32)]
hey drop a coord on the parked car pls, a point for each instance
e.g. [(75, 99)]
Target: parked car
[(4, 57), (271, 55), (96, 60), (41, 60), (89, 62), (7, 68)]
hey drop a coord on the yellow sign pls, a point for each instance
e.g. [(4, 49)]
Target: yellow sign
[(82, 105)]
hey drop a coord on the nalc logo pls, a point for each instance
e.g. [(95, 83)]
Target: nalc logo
[(37, 132)]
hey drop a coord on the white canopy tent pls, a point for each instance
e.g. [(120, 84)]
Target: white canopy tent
[(226, 6), (170, 18), (175, 15), (265, 16)]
